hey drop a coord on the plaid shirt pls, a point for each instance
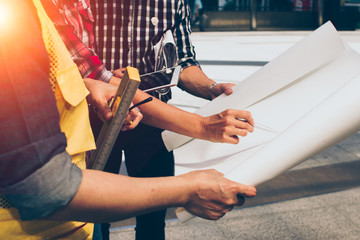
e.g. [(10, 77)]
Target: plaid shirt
[(74, 24), (126, 31)]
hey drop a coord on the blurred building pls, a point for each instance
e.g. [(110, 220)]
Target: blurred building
[(228, 15)]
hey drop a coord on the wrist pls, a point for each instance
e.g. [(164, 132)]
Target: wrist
[(210, 90), (189, 186), (198, 129)]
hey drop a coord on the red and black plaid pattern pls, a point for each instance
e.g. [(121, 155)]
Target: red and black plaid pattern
[(126, 31)]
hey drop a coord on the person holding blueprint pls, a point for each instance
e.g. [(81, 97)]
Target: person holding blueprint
[(141, 28), (311, 93)]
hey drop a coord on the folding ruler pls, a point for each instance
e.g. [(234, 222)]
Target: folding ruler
[(110, 129)]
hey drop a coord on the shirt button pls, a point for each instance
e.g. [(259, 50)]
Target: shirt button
[(154, 21)]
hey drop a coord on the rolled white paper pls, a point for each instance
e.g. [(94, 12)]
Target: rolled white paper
[(311, 99)]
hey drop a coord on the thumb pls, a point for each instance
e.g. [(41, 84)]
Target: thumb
[(105, 110), (226, 89)]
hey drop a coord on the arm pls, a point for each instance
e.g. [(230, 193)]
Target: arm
[(74, 25), (113, 197), (25, 91), (205, 193), (43, 183), (78, 19), (221, 127), (29, 122), (194, 81), (192, 78), (100, 95)]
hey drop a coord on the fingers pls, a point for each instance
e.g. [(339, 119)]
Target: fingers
[(238, 199), (228, 125), (213, 212), (217, 194), (245, 116), (221, 88), (247, 122), (227, 88), (247, 191), (235, 193), (217, 209), (100, 94), (132, 119), (103, 110), (119, 72)]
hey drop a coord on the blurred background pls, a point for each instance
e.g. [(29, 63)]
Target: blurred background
[(252, 15)]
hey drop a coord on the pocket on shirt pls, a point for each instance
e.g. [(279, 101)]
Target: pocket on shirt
[(71, 85), (73, 109)]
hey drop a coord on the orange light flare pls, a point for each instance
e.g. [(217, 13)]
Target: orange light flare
[(5, 16)]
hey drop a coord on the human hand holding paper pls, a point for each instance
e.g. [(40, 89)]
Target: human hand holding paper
[(301, 90), (217, 195), (220, 88), (225, 126)]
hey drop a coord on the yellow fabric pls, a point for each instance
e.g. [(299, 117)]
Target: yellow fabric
[(15, 229), (70, 93), (70, 90)]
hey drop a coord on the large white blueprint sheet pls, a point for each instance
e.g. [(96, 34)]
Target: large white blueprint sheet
[(310, 95)]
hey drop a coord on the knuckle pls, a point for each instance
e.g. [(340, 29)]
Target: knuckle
[(227, 112), (226, 121), (229, 202), (246, 113), (243, 133), (223, 136)]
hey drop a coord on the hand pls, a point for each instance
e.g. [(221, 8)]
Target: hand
[(100, 95), (194, 81), (215, 195), (119, 72), (132, 119), (221, 88), (225, 126)]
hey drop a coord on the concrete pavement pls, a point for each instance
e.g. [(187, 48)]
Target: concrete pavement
[(318, 199)]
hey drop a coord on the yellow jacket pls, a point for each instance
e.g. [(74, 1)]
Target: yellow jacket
[(70, 93)]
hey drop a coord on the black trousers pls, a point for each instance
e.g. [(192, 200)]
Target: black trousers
[(145, 156)]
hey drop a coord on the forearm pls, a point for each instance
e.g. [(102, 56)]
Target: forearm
[(194, 81), (115, 81), (161, 115), (115, 197), (221, 127), (165, 116)]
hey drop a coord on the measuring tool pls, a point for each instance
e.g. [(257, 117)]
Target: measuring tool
[(111, 128)]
